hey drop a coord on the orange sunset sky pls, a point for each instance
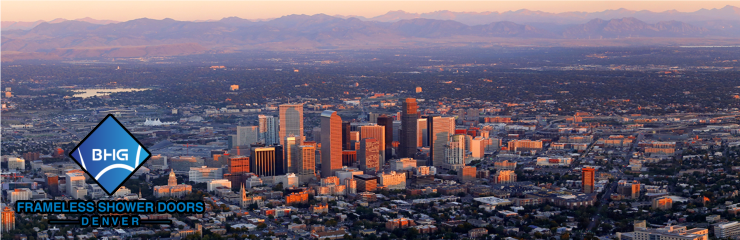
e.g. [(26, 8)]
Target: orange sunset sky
[(213, 10)]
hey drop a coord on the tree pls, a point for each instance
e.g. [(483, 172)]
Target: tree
[(565, 236)]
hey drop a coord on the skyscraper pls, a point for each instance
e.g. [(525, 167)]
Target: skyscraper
[(587, 179), (407, 145), (246, 135), (387, 123), (440, 129), (455, 152), (306, 162), (268, 130), (331, 143), (346, 129), (291, 154), (267, 161), (422, 135), (368, 155), (238, 164), (8, 219), (291, 122), (378, 133)]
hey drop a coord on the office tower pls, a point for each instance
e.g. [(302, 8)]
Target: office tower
[(396, 131), (268, 129), (422, 135), (373, 117), (316, 132), (349, 157), (366, 183), (407, 146), (291, 122), (331, 143), (267, 161), (368, 155), (587, 179), (440, 129), (387, 123), (351, 185), (455, 152), (238, 164), (307, 160), (346, 129), (467, 173), (629, 189), (291, 154), (246, 135), (74, 179), (52, 182), (477, 148), (378, 133), (8, 219)]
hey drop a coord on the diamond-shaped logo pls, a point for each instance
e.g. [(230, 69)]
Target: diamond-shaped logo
[(110, 154)]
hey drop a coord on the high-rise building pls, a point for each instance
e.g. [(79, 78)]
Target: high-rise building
[(387, 123), (368, 155), (307, 160), (455, 152), (268, 130), (74, 179), (52, 182), (267, 161), (346, 129), (291, 154), (407, 146), (422, 135), (378, 133), (504, 176), (467, 173), (238, 164), (629, 189), (587, 179), (477, 148), (245, 136), (393, 180), (8, 219), (727, 230), (440, 130), (351, 185), (291, 122), (366, 183), (331, 143), (349, 157)]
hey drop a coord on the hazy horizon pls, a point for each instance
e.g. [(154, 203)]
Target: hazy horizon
[(31, 11)]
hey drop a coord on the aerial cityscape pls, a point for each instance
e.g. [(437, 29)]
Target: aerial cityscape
[(480, 124)]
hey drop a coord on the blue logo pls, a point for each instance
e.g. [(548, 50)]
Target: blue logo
[(110, 154)]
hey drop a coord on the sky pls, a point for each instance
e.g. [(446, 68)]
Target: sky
[(29, 10)]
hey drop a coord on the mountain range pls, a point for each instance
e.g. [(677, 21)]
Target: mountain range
[(90, 38)]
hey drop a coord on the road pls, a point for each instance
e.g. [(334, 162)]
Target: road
[(69, 130)]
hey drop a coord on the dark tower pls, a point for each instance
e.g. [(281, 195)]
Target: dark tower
[(410, 114), (387, 122), (346, 128)]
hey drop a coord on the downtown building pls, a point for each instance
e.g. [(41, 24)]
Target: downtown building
[(331, 143), (291, 122), (407, 145)]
